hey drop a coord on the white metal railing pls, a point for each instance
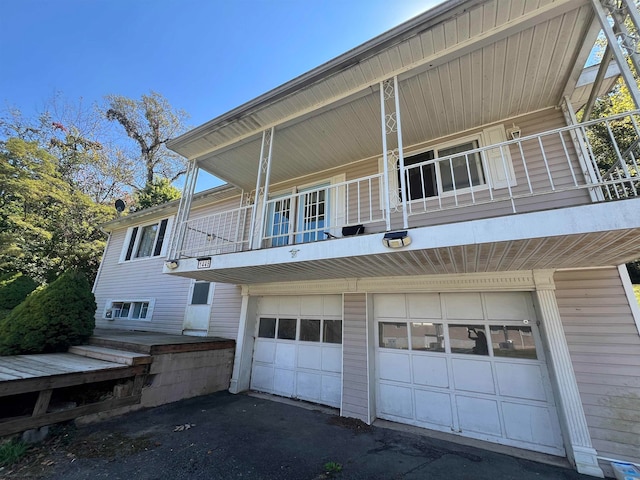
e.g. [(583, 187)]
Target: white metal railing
[(562, 159), (600, 156), (318, 213), (223, 232)]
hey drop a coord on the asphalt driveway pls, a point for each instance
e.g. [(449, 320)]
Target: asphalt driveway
[(224, 436)]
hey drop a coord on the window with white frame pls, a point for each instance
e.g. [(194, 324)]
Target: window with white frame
[(138, 309), (146, 241)]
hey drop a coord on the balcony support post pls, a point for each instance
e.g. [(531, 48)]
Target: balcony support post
[(177, 236), (258, 213), (579, 140), (612, 41), (393, 158)]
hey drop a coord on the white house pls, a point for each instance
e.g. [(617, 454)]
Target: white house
[(419, 230)]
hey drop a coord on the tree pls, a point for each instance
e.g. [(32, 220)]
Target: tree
[(46, 225), (150, 122), (155, 193)]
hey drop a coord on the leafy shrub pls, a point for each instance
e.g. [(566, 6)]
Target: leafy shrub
[(11, 451), (14, 288), (51, 319)]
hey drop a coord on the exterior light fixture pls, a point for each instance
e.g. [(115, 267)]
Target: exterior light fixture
[(514, 132), (171, 264), (396, 239)]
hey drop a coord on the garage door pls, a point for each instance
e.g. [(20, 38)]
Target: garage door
[(298, 348), (467, 363)]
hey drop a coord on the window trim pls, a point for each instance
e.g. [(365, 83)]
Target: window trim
[(108, 305), (131, 244)]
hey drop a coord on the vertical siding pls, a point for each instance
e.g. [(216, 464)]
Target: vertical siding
[(140, 279), (225, 311), (355, 381), (605, 350)]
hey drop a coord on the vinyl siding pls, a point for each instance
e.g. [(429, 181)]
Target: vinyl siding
[(140, 279), (355, 381), (225, 311), (605, 350)]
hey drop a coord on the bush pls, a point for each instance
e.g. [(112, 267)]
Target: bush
[(14, 288), (51, 319)]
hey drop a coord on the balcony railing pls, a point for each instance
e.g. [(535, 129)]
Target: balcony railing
[(593, 161)]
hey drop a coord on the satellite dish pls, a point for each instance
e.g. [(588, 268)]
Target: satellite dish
[(120, 206)]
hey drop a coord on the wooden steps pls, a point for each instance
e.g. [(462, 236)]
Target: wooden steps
[(111, 355)]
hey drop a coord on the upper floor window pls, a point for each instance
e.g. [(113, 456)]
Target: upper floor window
[(146, 240), (433, 177)]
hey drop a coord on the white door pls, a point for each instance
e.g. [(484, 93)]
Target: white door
[(467, 363), (196, 317), (298, 348)]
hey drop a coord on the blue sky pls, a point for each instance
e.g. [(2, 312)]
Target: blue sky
[(205, 56)]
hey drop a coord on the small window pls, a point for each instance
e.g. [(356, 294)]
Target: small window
[(132, 310), (146, 241), (287, 328), (469, 339), (200, 294), (332, 331), (309, 330), (427, 336), (514, 342), (393, 335), (267, 328)]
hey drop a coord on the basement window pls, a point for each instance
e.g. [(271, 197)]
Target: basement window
[(129, 309)]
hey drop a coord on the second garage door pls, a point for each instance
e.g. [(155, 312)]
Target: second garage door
[(467, 363), (298, 348)]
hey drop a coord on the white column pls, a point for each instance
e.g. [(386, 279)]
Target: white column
[(241, 376), (577, 437)]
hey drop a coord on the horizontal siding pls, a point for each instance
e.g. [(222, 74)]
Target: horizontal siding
[(225, 311), (605, 350), (140, 279), (355, 381)]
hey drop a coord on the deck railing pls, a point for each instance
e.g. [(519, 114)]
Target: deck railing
[(600, 157)]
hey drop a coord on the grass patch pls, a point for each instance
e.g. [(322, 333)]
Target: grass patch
[(12, 451)]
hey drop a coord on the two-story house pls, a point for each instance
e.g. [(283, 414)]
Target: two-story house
[(419, 230)]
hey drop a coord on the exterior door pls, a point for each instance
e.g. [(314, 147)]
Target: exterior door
[(467, 363), (196, 318), (298, 348)]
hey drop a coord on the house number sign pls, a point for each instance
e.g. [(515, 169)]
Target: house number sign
[(204, 262)]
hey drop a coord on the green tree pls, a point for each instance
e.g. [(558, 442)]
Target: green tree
[(46, 225), (155, 193)]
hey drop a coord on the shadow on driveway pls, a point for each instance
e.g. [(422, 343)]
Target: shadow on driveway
[(224, 436)]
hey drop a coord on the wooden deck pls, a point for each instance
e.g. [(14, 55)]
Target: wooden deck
[(156, 343)]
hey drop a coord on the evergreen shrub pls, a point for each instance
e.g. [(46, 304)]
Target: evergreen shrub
[(51, 319), (14, 288)]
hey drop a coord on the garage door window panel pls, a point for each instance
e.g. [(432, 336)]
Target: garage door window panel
[(309, 330), (287, 328), (513, 342), (468, 339), (393, 335), (267, 328), (427, 337), (332, 331)]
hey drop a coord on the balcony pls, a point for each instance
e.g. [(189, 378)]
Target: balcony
[(566, 168)]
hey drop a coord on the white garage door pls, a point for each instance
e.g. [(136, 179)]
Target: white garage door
[(466, 363), (298, 348)]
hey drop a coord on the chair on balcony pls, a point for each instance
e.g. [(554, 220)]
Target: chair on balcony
[(348, 231)]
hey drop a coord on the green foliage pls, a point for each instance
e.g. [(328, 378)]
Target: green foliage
[(51, 319), (46, 225), (11, 452), (332, 467), (155, 193), (14, 288), (636, 290)]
